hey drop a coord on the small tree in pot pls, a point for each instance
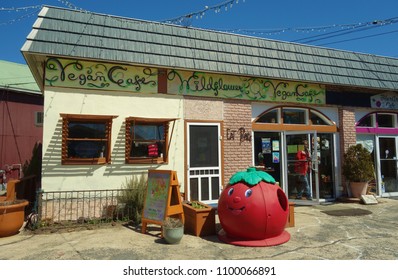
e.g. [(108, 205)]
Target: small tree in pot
[(358, 169)]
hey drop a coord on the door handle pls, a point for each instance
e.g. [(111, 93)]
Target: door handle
[(314, 163)]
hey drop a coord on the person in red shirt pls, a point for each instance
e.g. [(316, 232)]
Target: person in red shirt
[(302, 168)]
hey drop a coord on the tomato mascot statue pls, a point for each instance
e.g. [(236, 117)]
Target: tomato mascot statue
[(253, 210)]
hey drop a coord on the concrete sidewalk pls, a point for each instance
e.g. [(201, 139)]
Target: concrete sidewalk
[(338, 231)]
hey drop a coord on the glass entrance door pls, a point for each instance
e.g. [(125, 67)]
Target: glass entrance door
[(388, 165), (204, 162), (301, 159)]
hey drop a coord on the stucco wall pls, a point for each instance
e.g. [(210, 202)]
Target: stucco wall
[(109, 176), (203, 110)]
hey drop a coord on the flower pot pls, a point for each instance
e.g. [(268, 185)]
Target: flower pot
[(358, 189), (12, 215), (199, 221), (173, 235)]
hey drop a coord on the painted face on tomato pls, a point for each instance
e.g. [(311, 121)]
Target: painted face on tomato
[(242, 212)]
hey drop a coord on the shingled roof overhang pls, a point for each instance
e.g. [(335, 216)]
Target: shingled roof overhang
[(85, 35)]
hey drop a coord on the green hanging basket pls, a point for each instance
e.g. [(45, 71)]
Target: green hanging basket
[(251, 177)]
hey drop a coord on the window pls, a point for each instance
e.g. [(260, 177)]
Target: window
[(86, 139), (385, 120), (366, 121), (147, 140), (39, 116), (270, 117), (378, 123), (318, 119), (294, 116)]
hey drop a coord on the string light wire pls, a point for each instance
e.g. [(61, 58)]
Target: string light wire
[(13, 9), (24, 16), (358, 28), (186, 19), (359, 38)]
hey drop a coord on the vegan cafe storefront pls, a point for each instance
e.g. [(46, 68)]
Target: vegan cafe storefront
[(109, 116), (124, 126)]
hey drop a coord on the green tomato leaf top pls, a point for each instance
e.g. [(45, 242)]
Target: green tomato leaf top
[(251, 177)]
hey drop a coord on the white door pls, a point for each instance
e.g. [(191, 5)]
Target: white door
[(204, 162)]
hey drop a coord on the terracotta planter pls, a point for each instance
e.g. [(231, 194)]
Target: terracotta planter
[(358, 189), (200, 221), (12, 215)]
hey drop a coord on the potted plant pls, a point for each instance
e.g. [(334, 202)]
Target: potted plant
[(172, 230), (358, 169), (200, 218), (12, 211)]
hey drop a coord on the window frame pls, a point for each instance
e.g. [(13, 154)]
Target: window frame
[(294, 110), (375, 128), (39, 118), (130, 121), (392, 116), (328, 127), (66, 119)]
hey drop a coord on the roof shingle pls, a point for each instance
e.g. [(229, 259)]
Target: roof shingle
[(85, 35)]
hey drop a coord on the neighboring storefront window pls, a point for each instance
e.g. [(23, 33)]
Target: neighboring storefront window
[(147, 140), (380, 122), (86, 139), (367, 121), (386, 120), (378, 132)]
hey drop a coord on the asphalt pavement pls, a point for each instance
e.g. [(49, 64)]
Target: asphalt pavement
[(336, 231)]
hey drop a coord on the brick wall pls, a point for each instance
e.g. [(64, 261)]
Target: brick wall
[(347, 134), (347, 128), (237, 137)]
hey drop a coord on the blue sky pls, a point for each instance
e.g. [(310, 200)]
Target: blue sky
[(354, 25)]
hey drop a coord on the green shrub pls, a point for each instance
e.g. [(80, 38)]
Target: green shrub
[(132, 196), (358, 164)]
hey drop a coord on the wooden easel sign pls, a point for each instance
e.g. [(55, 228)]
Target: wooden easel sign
[(162, 198)]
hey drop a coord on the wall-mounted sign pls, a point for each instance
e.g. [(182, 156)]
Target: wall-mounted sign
[(97, 75), (249, 88), (384, 101), (243, 134)]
